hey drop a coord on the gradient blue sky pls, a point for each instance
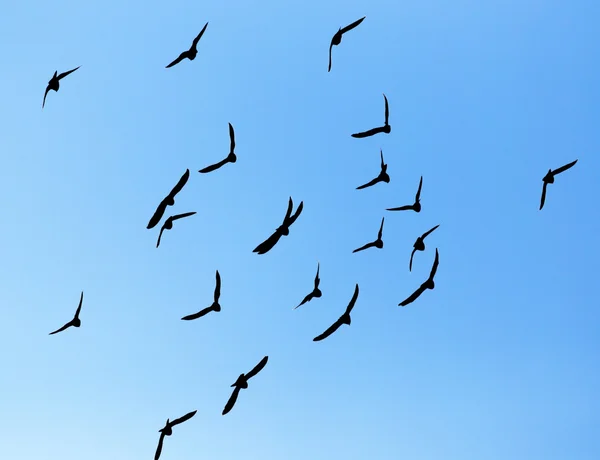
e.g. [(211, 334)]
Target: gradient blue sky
[(501, 361)]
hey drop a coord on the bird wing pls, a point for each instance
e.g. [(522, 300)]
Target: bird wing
[(414, 296), (79, 306), (330, 330), (64, 74), (387, 111), (158, 214), (369, 184), (366, 246), (162, 229), (288, 213), (182, 181), (231, 401), (353, 25), (317, 279), (213, 167), (411, 259), (69, 324), (160, 446), (200, 314), (418, 195), (543, 195), (259, 367), (197, 39), (45, 94), (181, 57), (217, 287), (401, 208), (564, 168), (436, 262), (179, 420), (308, 298), (352, 300), (181, 216), (292, 219), (424, 235), (382, 162), (268, 244), (330, 46), (380, 233), (370, 132), (231, 138)]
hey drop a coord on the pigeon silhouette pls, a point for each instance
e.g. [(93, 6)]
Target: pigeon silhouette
[(386, 128), (282, 230), (419, 245), (192, 52), (242, 383), (75, 322), (382, 177), (337, 38), (168, 431), (378, 243), (316, 292), (168, 225), (231, 158), (344, 319), (416, 206), (54, 84), (215, 305), (169, 200), (429, 284), (549, 179)]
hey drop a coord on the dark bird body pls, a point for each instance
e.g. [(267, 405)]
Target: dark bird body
[(549, 179), (316, 292), (169, 200), (54, 84), (416, 206), (429, 284), (386, 128), (192, 52), (168, 225), (215, 305), (420, 245), (344, 319), (337, 38), (231, 158), (242, 383), (378, 243), (168, 431), (382, 177), (282, 230), (75, 322)]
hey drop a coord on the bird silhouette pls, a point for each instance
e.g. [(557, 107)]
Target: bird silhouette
[(168, 225), (75, 322), (215, 305), (429, 284), (169, 200), (419, 245), (416, 206), (378, 243), (168, 431), (344, 319), (382, 177), (242, 383), (54, 84), (231, 158), (386, 128), (316, 292), (337, 38), (282, 230), (549, 179), (192, 52)]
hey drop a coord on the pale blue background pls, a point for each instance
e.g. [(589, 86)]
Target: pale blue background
[(500, 361)]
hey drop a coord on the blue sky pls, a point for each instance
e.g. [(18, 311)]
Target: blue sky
[(500, 361)]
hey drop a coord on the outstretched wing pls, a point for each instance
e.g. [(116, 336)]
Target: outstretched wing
[(64, 74), (181, 57), (401, 208), (197, 39), (160, 446), (79, 306), (181, 216), (368, 184), (353, 300), (182, 181), (436, 262), (353, 25), (231, 138), (217, 287), (213, 167), (186, 417), (424, 235), (387, 111), (200, 314), (317, 279), (308, 298), (366, 246), (45, 94), (564, 168), (411, 259), (160, 211), (160, 236), (382, 162), (232, 400), (543, 195), (292, 219), (268, 244), (418, 195), (330, 46), (414, 296), (330, 330), (259, 367), (69, 324), (368, 133), (380, 233)]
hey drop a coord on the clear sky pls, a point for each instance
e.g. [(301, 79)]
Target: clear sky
[(500, 361)]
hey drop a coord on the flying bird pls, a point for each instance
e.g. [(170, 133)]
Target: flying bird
[(54, 84), (382, 177), (337, 38), (242, 383), (192, 52), (169, 200), (416, 206), (386, 128), (344, 319), (419, 245), (316, 292), (282, 230), (429, 284), (168, 431), (168, 225), (231, 158), (549, 179), (378, 243), (75, 322), (215, 305)]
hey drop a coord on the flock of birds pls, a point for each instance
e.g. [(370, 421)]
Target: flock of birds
[(283, 230)]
